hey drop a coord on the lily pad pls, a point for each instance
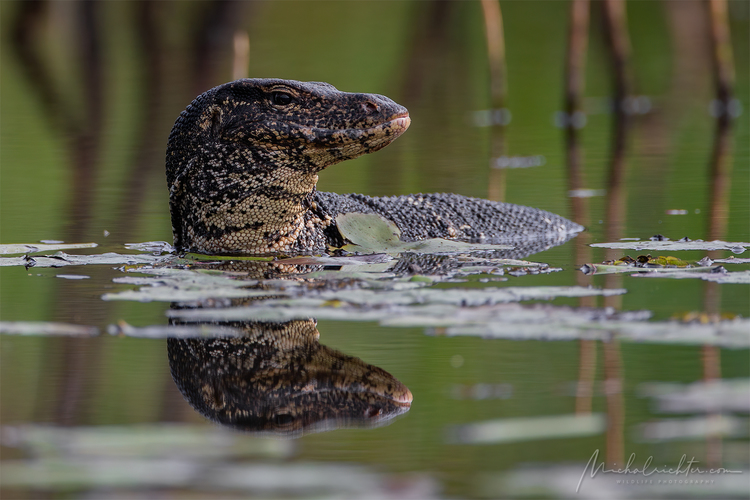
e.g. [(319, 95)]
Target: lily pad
[(23, 248), (371, 233)]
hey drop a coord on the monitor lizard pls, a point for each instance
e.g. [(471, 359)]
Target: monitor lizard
[(243, 161)]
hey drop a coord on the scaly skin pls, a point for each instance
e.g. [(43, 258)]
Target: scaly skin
[(243, 160)]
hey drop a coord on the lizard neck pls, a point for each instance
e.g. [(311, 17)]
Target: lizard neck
[(269, 218)]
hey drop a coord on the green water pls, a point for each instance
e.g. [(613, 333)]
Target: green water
[(77, 167)]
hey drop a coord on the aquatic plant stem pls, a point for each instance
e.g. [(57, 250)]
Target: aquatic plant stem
[(616, 31), (613, 383), (493, 23), (575, 60), (615, 22), (721, 52), (575, 83), (241, 60), (720, 171)]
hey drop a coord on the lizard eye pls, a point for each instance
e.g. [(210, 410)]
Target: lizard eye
[(283, 419), (281, 99)]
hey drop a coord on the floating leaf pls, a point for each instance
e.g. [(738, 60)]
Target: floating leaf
[(352, 260), (669, 267), (232, 479), (183, 285), (47, 329), (716, 274), (62, 259), (371, 233), (700, 427), (466, 297), (223, 258), (140, 442), (151, 246), (655, 271), (22, 248), (416, 306), (511, 430), (173, 331), (731, 260), (723, 395), (361, 272), (734, 334), (669, 246)]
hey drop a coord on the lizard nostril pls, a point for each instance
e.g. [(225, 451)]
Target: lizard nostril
[(370, 107)]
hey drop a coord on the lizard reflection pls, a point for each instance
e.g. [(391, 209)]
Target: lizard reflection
[(277, 379)]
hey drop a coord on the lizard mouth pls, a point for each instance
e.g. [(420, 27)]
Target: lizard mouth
[(389, 129), (401, 122), (384, 132), (379, 136), (403, 398), (347, 143)]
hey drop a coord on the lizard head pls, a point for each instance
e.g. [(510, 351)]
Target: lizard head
[(305, 125), (264, 138)]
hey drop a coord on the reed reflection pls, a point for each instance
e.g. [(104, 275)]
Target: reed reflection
[(276, 378)]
